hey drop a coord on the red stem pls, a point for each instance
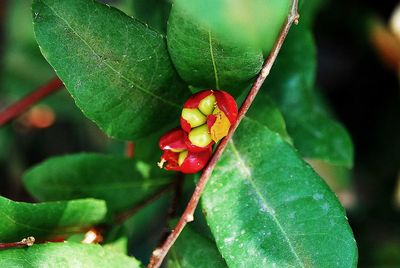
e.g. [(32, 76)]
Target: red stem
[(130, 149), (160, 253), (26, 102)]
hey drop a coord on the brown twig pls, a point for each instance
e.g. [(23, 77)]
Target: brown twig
[(130, 149), (32, 98), (160, 253), (120, 218), (26, 242)]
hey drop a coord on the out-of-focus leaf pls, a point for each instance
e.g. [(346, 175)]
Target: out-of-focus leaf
[(113, 179), (205, 60), (266, 207), (292, 86), (253, 23), (119, 73), (153, 12), (5, 142), (192, 250), (66, 254), (19, 220), (308, 9), (23, 65)]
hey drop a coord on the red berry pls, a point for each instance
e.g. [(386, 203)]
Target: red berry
[(177, 157), (207, 117)]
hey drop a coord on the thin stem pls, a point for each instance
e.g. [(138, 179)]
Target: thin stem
[(160, 253), (127, 214), (26, 242), (32, 98)]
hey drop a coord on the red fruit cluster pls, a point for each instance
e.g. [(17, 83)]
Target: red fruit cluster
[(206, 118)]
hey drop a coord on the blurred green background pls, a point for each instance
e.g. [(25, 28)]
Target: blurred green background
[(357, 81)]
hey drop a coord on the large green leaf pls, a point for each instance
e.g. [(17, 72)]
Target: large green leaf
[(192, 250), (205, 60), (119, 73), (292, 86), (113, 179), (65, 255), (19, 220), (253, 23), (266, 207)]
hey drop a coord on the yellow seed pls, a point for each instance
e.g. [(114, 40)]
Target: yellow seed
[(176, 150), (194, 117), (182, 157), (200, 136), (206, 105), (221, 126)]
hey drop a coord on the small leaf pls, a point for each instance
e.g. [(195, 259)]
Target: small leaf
[(292, 86), (66, 254), (113, 179), (192, 250), (266, 207), (204, 60), (19, 220), (119, 73)]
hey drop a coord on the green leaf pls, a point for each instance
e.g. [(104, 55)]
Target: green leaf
[(113, 179), (255, 23), (153, 12), (308, 9), (19, 220), (119, 73), (266, 207), (205, 60), (315, 133), (192, 250), (65, 255), (265, 111)]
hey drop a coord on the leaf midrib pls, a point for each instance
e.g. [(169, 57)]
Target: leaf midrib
[(214, 63), (262, 199), (175, 105)]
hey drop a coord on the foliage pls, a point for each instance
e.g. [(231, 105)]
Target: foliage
[(264, 205)]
